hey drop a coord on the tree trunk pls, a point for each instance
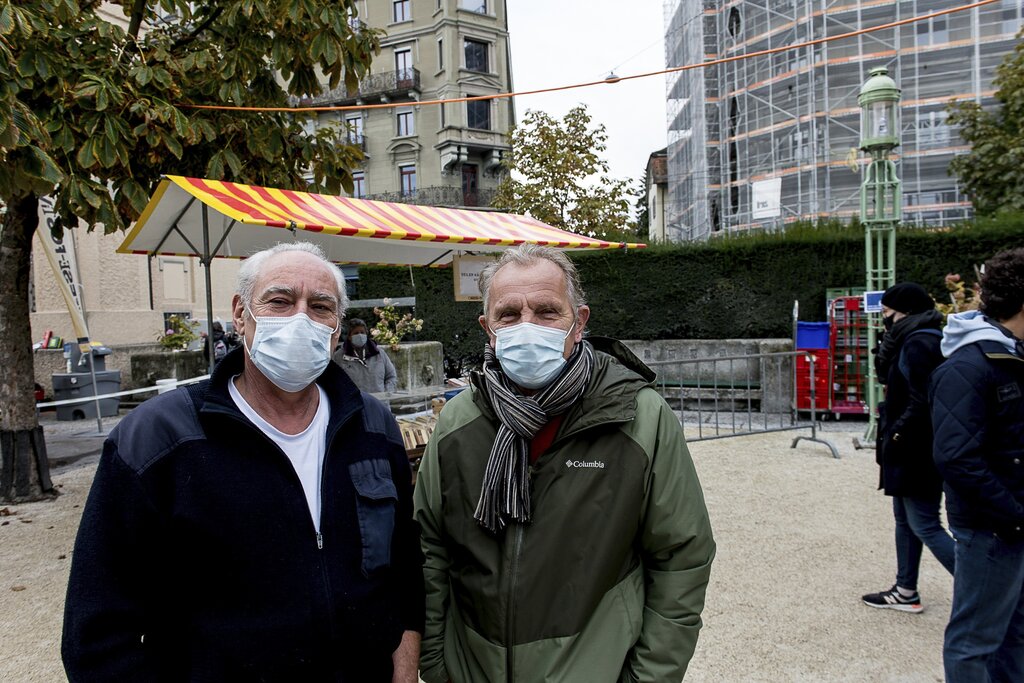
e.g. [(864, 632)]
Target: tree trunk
[(24, 468)]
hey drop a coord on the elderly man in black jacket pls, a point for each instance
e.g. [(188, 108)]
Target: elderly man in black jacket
[(256, 526), (978, 414), (908, 354)]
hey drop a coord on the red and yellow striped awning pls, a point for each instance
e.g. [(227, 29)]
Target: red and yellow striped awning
[(243, 219)]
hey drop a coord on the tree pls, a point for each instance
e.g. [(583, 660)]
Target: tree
[(92, 112), (558, 176), (643, 211), (992, 172)]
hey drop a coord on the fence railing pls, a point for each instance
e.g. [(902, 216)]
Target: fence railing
[(723, 396)]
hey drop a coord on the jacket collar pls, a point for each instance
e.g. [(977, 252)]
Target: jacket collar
[(343, 396), (610, 397)]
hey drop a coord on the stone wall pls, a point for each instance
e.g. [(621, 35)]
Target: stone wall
[(48, 362), (770, 379)]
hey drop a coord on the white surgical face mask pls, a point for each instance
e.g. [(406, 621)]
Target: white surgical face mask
[(531, 355), (359, 340), (291, 351)]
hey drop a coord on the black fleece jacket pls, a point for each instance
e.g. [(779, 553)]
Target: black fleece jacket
[(197, 559)]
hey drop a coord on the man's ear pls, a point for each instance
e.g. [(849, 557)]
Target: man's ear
[(582, 316), (483, 323), (238, 314)]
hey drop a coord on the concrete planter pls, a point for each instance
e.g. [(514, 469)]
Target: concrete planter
[(418, 364), (147, 368)]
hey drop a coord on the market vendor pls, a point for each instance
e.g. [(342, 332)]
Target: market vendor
[(364, 362)]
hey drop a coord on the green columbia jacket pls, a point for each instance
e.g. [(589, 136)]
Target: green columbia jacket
[(606, 583)]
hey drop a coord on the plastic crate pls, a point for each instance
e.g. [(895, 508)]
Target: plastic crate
[(812, 335)]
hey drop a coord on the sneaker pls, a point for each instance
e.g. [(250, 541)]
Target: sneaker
[(892, 599)]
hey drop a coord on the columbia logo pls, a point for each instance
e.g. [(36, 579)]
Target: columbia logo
[(597, 464)]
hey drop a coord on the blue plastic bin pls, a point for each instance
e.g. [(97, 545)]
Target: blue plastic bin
[(811, 335)]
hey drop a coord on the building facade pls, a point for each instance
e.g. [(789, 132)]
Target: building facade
[(443, 154), (765, 141)]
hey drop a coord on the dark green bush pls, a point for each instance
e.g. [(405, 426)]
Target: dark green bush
[(738, 287)]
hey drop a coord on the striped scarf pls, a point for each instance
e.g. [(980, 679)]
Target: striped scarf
[(505, 494)]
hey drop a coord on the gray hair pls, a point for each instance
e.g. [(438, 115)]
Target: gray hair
[(251, 267), (527, 255)]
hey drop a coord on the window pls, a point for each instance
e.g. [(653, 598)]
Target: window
[(400, 10), (405, 123), (442, 114), (476, 55), (358, 184), (478, 114), (478, 6), (440, 54), (933, 31), (407, 179), (932, 129), (354, 132), (403, 64)]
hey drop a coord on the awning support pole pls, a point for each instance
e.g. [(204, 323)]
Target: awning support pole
[(206, 259)]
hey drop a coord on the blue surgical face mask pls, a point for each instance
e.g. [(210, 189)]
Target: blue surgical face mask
[(291, 351), (531, 355), (358, 340)]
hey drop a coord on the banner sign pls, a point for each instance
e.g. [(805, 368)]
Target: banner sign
[(767, 198), (467, 274), (60, 252)]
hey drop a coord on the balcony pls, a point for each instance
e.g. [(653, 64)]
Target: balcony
[(385, 86), (354, 139), (440, 195)]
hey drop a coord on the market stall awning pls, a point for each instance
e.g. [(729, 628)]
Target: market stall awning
[(243, 219)]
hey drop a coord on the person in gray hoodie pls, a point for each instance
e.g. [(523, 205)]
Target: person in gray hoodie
[(977, 406), (365, 362)]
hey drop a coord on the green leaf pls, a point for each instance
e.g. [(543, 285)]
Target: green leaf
[(172, 145), (42, 166), (107, 152), (6, 20), (215, 166), (91, 197), (86, 156), (233, 162), (136, 196)]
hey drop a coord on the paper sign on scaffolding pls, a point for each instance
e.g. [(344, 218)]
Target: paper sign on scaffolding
[(767, 198)]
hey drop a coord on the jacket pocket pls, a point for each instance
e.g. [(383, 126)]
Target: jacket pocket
[(376, 498)]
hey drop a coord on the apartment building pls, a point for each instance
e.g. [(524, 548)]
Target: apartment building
[(442, 154), (783, 125)]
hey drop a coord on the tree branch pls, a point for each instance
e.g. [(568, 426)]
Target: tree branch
[(185, 40)]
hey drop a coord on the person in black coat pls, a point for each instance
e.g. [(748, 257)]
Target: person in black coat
[(977, 403), (908, 353)]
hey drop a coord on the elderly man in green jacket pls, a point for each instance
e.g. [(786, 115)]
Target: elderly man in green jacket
[(564, 527)]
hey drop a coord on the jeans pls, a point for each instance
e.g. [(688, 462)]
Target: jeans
[(918, 525), (985, 636)]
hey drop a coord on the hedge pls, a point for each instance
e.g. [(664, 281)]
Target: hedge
[(740, 287)]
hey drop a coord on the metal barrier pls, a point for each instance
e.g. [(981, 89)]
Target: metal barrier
[(728, 396)]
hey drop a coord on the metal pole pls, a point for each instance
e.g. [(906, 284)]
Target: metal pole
[(95, 388), (205, 260)]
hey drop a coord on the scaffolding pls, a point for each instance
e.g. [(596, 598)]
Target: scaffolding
[(794, 115)]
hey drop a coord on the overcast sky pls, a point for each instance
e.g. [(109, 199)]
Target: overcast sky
[(559, 42)]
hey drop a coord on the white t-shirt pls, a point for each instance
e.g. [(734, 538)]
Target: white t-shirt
[(305, 450)]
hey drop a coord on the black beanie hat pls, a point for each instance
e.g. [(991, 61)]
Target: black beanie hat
[(907, 297)]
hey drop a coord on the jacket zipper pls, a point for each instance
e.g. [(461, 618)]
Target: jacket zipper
[(318, 535), (517, 546)]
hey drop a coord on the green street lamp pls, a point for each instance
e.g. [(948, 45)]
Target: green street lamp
[(880, 210)]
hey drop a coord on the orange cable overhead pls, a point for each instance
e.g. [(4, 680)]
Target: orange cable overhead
[(685, 67)]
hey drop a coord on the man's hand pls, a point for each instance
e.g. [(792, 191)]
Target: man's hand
[(406, 659)]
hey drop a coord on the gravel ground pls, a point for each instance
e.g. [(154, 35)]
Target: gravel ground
[(800, 537)]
